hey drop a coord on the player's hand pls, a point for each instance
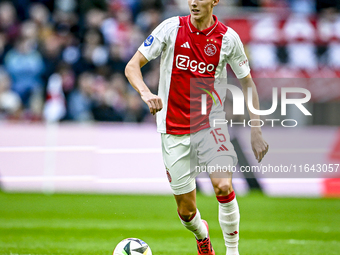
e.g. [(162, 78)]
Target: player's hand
[(259, 145), (153, 101)]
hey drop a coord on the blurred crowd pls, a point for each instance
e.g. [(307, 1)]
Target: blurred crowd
[(63, 60)]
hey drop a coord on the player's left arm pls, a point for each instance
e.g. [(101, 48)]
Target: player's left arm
[(258, 144)]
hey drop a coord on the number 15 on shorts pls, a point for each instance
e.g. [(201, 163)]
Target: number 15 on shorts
[(219, 137)]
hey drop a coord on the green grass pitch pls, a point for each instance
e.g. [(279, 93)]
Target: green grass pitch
[(93, 224)]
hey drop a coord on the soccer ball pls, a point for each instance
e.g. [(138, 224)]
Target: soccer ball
[(132, 246)]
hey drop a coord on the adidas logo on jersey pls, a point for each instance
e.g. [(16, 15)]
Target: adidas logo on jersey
[(222, 148), (185, 45)]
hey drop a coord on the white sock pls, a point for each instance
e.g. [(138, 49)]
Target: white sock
[(196, 226), (229, 218)]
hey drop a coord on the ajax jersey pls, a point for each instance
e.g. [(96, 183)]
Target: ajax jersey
[(191, 61)]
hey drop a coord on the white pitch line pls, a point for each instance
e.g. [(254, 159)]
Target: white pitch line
[(27, 149), (130, 151), (45, 178), (93, 178), (46, 148), (293, 150), (133, 180), (290, 180), (16, 179)]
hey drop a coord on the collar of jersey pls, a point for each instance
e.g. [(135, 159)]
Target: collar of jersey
[(206, 31)]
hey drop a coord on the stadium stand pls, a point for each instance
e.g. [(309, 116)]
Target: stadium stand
[(63, 60)]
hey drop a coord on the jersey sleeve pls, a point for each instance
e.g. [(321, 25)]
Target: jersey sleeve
[(235, 55), (153, 46)]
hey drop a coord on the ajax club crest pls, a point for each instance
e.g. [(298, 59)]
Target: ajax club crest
[(210, 49)]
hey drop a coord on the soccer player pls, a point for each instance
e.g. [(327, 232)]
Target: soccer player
[(197, 46)]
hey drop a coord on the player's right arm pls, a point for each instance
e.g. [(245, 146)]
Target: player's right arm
[(134, 75), (152, 47)]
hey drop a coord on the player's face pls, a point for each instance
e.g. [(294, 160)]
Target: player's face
[(201, 9)]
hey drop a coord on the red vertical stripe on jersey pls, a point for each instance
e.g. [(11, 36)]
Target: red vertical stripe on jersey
[(199, 62)]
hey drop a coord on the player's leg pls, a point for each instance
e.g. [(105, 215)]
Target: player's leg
[(217, 153), (191, 219), (176, 155), (229, 216), (190, 215)]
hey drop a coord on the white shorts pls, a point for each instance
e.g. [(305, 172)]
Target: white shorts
[(186, 156)]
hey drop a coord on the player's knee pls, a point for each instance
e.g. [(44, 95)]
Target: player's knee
[(223, 189), (187, 212), (186, 215)]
